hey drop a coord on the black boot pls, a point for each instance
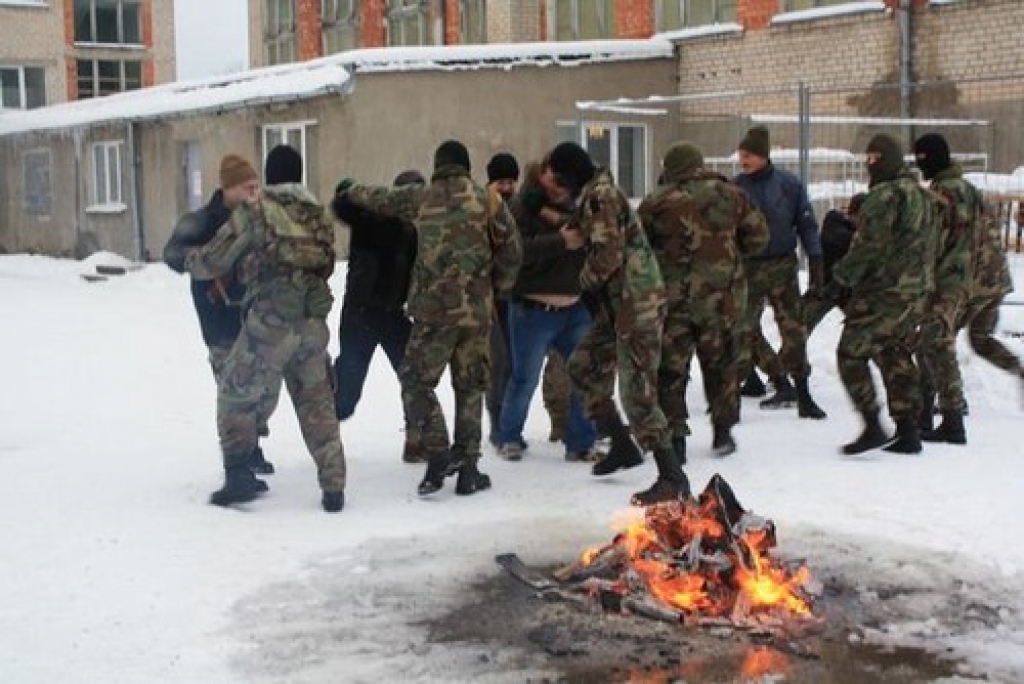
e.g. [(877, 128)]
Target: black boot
[(950, 430), (722, 443), (753, 386), (784, 397), (240, 486), (907, 439), (333, 502), (679, 447), (624, 452), (412, 453), (471, 480), (259, 464), (925, 419), (441, 464), (871, 437), (671, 485), (805, 406)]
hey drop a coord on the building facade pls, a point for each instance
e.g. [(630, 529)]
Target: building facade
[(53, 51)]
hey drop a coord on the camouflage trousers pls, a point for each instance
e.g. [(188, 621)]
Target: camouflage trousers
[(815, 308), (430, 351), (980, 316), (936, 353), (883, 330), (218, 356), (268, 350), (775, 281), (556, 389), (704, 325), (636, 358)]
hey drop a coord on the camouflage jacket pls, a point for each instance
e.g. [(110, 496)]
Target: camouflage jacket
[(990, 274), (621, 267), (242, 244), (961, 207), (468, 245), (893, 249), (700, 228)]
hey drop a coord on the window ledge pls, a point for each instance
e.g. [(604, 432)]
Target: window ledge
[(726, 28), (112, 208), (32, 4), (131, 47), (843, 10)]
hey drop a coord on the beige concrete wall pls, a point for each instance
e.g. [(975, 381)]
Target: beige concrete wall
[(34, 36), (255, 34), (513, 21), (164, 61)]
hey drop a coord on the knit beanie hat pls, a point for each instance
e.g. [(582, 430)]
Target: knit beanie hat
[(757, 141), (283, 165), (932, 154), (409, 177), (451, 153), (572, 165), (681, 158), (235, 170), (891, 160), (503, 166)]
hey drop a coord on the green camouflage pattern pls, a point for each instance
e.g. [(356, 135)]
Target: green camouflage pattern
[(218, 357), (622, 277), (556, 391), (700, 228), (980, 317), (990, 274), (774, 280)]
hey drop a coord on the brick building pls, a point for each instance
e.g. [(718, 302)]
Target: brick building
[(52, 51)]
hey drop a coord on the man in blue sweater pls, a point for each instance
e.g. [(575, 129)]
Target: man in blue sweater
[(772, 273)]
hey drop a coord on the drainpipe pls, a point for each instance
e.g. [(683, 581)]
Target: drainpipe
[(135, 194), (906, 63)]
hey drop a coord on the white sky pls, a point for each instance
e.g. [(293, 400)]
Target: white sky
[(210, 37)]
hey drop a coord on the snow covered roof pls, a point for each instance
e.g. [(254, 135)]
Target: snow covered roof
[(332, 74)]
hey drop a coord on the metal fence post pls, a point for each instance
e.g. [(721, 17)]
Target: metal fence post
[(804, 104)]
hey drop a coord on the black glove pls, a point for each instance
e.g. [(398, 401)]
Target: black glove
[(816, 271), (532, 198), (834, 292), (343, 186)]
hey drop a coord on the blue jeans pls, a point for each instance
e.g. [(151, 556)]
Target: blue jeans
[(362, 330), (532, 332)]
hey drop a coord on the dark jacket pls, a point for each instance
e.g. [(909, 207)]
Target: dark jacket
[(219, 319), (836, 234), (548, 268), (781, 197), (381, 253)]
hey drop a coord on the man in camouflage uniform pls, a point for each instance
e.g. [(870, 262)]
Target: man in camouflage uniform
[(888, 272), (772, 274), (217, 301), (837, 229), (282, 246), (960, 209), (701, 226), (627, 295), (468, 247)]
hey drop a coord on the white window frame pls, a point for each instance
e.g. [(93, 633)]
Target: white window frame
[(397, 16), (279, 39), (684, 12), (338, 23), (120, 24), (105, 195), (605, 16), (466, 32), (22, 88), (567, 131), (282, 131), (122, 76)]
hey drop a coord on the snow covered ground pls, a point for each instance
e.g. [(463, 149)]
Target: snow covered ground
[(113, 568)]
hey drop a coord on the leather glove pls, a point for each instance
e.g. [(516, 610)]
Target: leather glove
[(343, 186), (532, 198), (835, 293), (816, 271)]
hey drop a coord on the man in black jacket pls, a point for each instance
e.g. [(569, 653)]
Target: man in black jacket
[(381, 254), (217, 301)]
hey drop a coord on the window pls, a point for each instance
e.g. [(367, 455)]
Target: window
[(22, 87), (116, 22), (622, 148), (99, 77), (582, 19), (296, 135), (408, 23), (38, 192), (105, 192), (340, 25), (679, 14), (796, 5), (279, 31), (472, 21)]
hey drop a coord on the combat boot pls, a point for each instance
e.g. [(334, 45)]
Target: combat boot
[(333, 502), (805, 406), (440, 465), (240, 486), (623, 453), (671, 485), (259, 464), (722, 443), (784, 397), (951, 429), (471, 480), (413, 453), (871, 437), (753, 386), (907, 439), (925, 419), (679, 447)]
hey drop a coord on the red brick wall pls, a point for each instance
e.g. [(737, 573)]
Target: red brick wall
[(633, 19), (371, 23), (756, 14), (308, 44), (148, 65), (451, 22)]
